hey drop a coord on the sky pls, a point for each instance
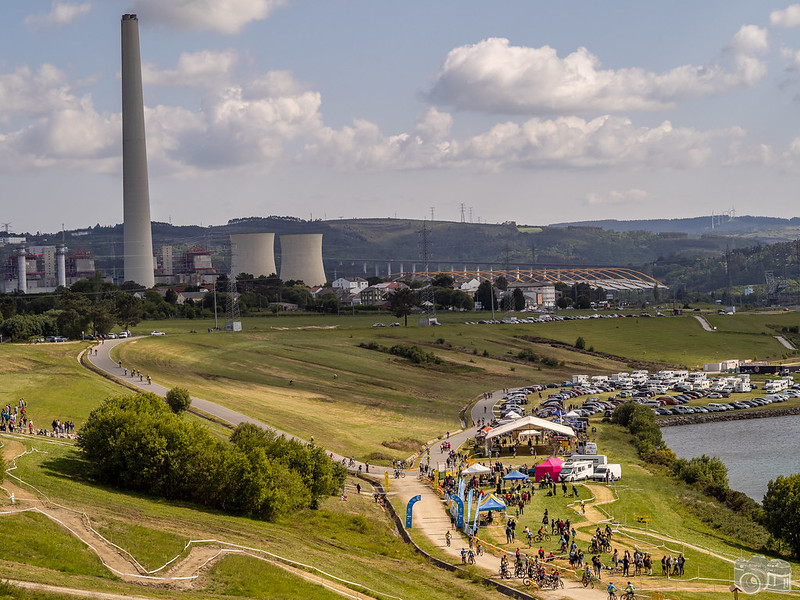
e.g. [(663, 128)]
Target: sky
[(514, 110)]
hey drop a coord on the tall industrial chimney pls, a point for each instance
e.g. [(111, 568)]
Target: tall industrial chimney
[(22, 270), (138, 238), (61, 265)]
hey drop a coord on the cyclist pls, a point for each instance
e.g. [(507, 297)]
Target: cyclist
[(587, 576), (479, 548), (464, 556), (447, 537), (612, 591), (471, 557), (630, 593), (504, 566)]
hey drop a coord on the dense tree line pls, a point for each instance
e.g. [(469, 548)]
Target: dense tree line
[(137, 443)]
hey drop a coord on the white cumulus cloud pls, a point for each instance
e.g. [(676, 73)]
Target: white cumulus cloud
[(205, 68), (788, 17), (61, 13), (223, 16), (494, 76)]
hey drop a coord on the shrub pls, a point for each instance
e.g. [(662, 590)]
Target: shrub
[(580, 343), (179, 400)]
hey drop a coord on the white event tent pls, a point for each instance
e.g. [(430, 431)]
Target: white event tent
[(527, 423)]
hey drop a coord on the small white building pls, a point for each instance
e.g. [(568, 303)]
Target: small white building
[(352, 284)]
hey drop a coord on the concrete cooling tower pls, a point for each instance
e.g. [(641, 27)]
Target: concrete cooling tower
[(301, 258), (253, 253)]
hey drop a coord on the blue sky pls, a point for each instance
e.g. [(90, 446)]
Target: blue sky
[(536, 112)]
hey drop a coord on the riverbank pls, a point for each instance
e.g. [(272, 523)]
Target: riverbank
[(726, 416)]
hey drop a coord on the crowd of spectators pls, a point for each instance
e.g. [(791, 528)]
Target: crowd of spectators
[(15, 419)]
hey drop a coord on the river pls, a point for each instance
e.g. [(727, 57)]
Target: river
[(754, 450)]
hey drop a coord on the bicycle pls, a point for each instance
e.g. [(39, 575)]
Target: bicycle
[(629, 595), (530, 583), (539, 537), (447, 539), (471, 558), (587, 580), (505, 573)]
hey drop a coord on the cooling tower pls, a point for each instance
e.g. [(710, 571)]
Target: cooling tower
[(138, 240), (301, 258), (253, 253)]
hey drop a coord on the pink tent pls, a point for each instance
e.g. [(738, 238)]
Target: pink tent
[(551, 466)]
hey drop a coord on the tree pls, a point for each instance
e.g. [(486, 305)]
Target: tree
[(102, 315), (656, 294), (443, 280), (782, 510), (501, 283), (484, 295), (563, 302), (179, 399), (402, 302), (580, 343), (129, 309), (171, 296), (519, 299)]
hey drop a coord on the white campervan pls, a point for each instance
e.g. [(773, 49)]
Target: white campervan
[(576, 471)]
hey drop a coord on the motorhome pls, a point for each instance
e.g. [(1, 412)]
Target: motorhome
[(606, 472), (595, 459), (773, 386), (576, 471), (580, 379)]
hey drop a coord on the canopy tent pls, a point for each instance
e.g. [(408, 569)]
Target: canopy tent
[(572, 413), (515, 475), (476, 469), (524, 424), (531, 423), (491, 502), (551, 466), (513, 415), (529, 433)]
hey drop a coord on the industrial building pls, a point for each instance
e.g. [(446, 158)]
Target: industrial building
[(41, 269)]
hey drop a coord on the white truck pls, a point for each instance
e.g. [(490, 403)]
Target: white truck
[(576, 471)]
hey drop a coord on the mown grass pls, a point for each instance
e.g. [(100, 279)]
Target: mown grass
[(34, 539), (253, 578)]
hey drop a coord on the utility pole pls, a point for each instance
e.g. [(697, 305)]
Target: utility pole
[(462, 213)]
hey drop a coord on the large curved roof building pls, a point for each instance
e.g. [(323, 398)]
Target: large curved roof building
[(301, 258), (253, 253)]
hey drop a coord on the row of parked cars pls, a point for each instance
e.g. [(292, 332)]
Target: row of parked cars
[(725, 406), (548, 318)]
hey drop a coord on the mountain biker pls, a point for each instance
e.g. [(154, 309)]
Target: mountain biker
[(612, 590), (464, 556), (587, 573), (471, 557), (629, 591), (447, 537)]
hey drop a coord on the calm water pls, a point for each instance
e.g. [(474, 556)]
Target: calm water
[(754, 450)]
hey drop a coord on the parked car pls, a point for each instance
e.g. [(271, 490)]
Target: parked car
[(157, 333)]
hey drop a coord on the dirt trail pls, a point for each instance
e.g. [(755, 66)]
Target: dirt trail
[(183, 574)]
